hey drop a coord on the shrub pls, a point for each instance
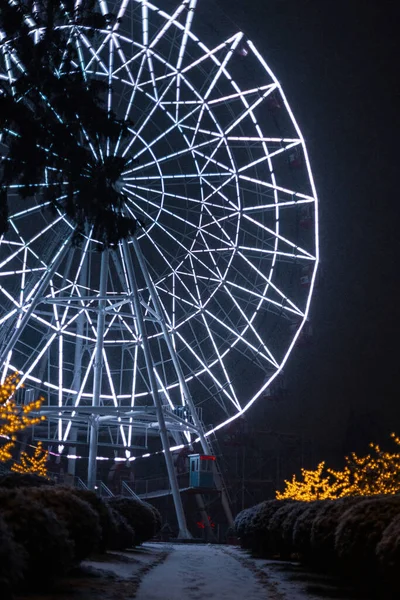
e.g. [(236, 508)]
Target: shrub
[(360, 530), (17, 480), (108, 524), (388, 553), (261, 543), (156, 516), (324, 528), (123, 535), (242, 525), (302, 529), (138, 515), (81, 521), (45, 540), (281, 527), (12, 560)]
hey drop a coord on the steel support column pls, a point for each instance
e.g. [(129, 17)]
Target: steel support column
[(77, 379), (206, 447), (183, 531), (98, 370)]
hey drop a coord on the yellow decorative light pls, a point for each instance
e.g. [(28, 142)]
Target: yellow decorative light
[(377, 473), (33, 464), (14, 418)]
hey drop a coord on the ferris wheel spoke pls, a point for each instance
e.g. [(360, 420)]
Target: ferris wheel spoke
[(95, 64), (278, 205), (179, 197), (268, 156), (174, 126), (162, 209), (177, 241), (249, 322), (277, 236), (178, 278), (276, 188), (178, 154), (209, 332), (269, 282)]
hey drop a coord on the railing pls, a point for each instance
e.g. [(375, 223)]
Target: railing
[(80, 484), (126, 490), (102, 490), (147, 487)]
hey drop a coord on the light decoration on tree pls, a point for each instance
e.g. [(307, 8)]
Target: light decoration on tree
[(33, 464), (377, 473), (315, 486), (14, 418)]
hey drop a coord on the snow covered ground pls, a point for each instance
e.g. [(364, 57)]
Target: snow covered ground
[(190, 572), (207, 572), (200, 572)]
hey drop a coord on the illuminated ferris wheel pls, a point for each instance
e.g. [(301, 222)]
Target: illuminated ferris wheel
[(179, 329)]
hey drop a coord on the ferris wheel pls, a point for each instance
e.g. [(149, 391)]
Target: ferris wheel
[(203, 305)]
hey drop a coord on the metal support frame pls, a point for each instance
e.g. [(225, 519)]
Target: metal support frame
[(98, 370), (206, 447), (35, 300), (80, 325), (183, 531)]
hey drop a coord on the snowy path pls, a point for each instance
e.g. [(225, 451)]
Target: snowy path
[(199, 572)]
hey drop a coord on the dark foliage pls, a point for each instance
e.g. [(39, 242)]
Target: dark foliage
[(13, 559), (281, 527), (243, 525), (17, 480), (138, 515), (156, 516), (44, 538), (107, 520), (324, 528), (262, 543), (54, 120), (388, 553), (81, 521), (124, 535), (359, 532), (302, 529)]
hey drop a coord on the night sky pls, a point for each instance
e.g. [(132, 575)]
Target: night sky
[(336, 62)]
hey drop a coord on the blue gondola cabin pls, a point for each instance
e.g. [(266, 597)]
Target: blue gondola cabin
[(201, 471)]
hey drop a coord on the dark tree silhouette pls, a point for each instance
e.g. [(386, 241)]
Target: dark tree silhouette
[(54, 120)]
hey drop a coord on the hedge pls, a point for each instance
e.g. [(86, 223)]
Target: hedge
[(359, 532), (81, 521), (108, 524), (358, 538), (139, 516), (13, 560), (48, 549), (281, 528)]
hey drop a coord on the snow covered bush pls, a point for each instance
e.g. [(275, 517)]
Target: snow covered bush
[(12, 560), (17, 480), (138, 514), (124, 535), (359, 532), (388, 553), (242, 525), (261, 543), (81, 521), (302, 529), (44, 538), (157, 517), (107, 521), (324, 528), (281, 527)]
